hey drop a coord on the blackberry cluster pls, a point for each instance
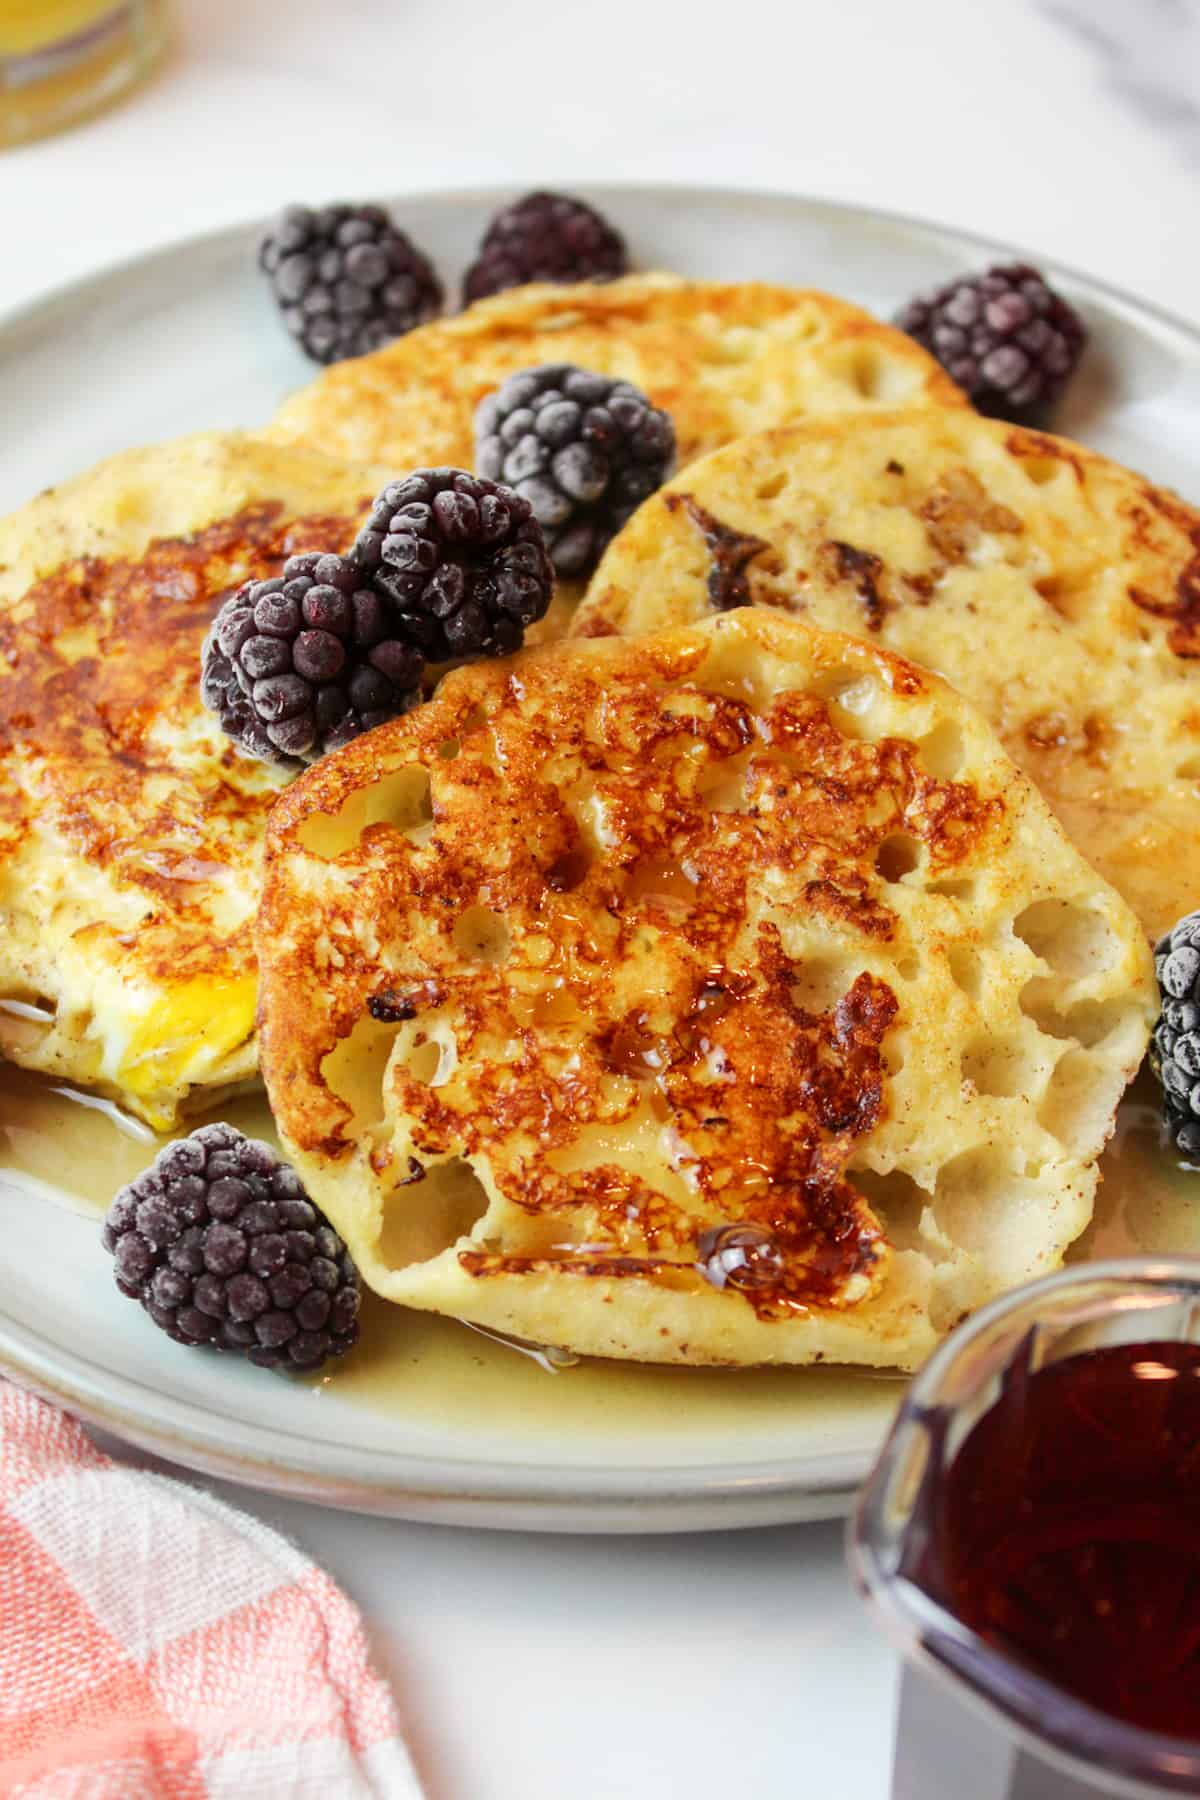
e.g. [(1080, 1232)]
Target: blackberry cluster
[(545, 237), (300, 664), (222, 1246), (583, 450), (347, 279), (461, 562), (1005, 336), (1175, 1052)]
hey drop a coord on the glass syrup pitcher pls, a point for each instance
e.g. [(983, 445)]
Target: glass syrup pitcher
[(1030, 1538)]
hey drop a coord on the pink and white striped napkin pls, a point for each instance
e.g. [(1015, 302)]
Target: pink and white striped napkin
[(157, 1645)]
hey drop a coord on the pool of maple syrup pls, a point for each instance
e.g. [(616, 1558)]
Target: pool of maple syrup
[(77, 1150), (1068, 1529), (436, 1371), (68, 1152)]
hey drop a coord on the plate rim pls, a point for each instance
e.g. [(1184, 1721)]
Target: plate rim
[(625, 1497), (473, 1491), (488, 194)]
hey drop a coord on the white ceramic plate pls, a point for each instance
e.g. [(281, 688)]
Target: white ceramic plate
[(429, 1420)]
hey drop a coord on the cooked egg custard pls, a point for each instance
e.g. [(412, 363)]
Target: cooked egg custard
[(131, 828)]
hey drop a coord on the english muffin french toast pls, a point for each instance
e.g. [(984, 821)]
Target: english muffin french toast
[(725, 995), (1057, 590), (131, 828), (721, 358)]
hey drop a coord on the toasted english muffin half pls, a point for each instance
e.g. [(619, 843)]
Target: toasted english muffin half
[(720, 996), (1057, 590), (131, 828), (723, 358)]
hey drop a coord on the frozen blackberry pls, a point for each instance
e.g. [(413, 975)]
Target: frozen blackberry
[(545, 237), (461, 562), (346, 279), (1175, 1051), (1005, 336), (584, 450), (222, 1246), (299, 664)]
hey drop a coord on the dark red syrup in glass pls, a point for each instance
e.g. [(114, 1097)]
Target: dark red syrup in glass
[(1069, 1529)]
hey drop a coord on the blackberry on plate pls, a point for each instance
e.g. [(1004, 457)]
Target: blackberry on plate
[(1005, 336), (222, 1246), (461, 562), (299, 664), (584, 450), (347, 279), (1175, 1048), (545, 237)]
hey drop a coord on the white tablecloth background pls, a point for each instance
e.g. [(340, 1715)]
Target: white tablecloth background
[(537, 1668)]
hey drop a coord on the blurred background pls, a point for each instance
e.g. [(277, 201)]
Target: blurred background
[(1070, 127)]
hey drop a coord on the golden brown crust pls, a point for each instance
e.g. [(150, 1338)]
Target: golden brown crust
[(722, 358), (99, 662), (809, 1083), (131, 828), (1057, 590), (628, 930)]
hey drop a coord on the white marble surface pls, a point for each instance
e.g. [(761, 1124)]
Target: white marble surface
[(542, 1667)]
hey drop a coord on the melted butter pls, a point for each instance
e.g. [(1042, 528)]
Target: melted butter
[(439, 1370)]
